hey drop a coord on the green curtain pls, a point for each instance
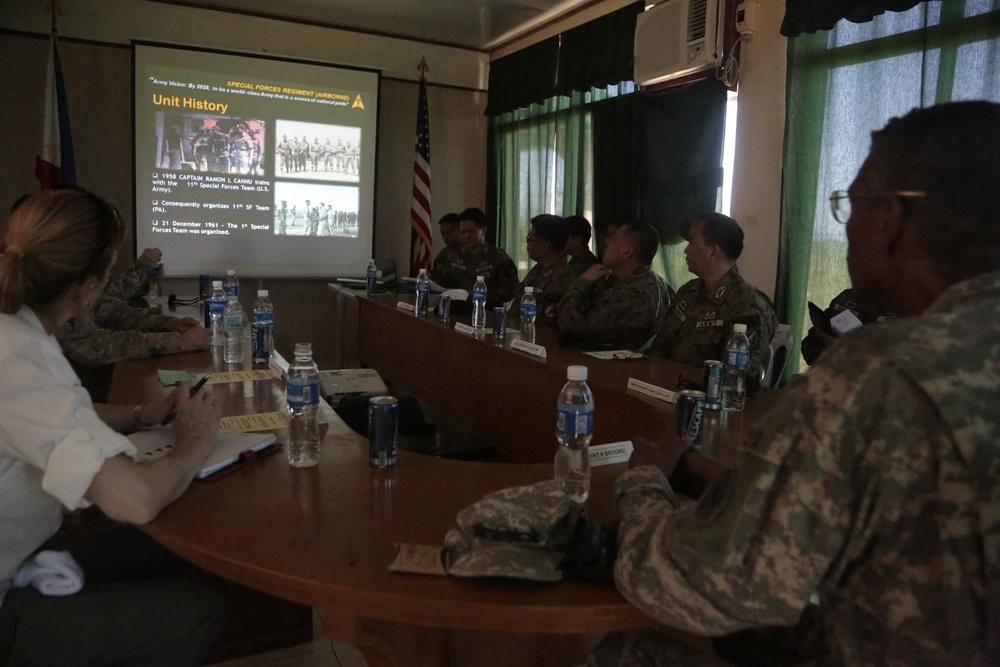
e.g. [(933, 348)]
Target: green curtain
[(842, 85), (543, 165)]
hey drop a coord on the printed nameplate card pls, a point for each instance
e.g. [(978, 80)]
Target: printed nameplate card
[(652, 390), (261, 421), (530, 348), (464, 328), (402, 305), (613, 452), (242, 376)]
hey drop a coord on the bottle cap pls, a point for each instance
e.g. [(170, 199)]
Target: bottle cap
[(529, 289), (480, 278), (740, 328), (303, 349), (230, 272), (576, 373), (216, 283), (262, 292)]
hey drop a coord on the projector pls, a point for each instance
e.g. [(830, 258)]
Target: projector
[(340, 384)]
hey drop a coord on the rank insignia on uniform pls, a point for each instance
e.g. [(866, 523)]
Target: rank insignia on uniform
[(720, 293)]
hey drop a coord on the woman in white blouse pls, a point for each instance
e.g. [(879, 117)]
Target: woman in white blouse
[(58, 450)]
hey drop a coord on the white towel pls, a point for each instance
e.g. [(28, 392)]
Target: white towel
[(51, 572)]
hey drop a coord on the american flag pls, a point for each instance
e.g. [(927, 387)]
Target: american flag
[(56, 162), (420, 209)]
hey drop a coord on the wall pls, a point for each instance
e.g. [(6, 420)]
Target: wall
[(756, 197), (98, 81), (94, 49)]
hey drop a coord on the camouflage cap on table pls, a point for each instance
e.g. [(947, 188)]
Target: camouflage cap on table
[(519, 532)]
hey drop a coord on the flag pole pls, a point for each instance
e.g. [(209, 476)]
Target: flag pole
[(420, 207)]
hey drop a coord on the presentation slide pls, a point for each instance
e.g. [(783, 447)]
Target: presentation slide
[(261, 165)]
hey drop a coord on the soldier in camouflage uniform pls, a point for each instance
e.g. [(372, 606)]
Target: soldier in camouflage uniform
[(706, 308), (479, 259), (872, 488), (113, 331), (578, 245), (620, 303), (550, 276), (816, 341), (448, 225)]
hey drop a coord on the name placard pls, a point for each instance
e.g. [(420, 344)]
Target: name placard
[(402, 305), (613, 452), (530, 348), (652, 390), (464, 328)]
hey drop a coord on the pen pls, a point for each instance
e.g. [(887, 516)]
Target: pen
[(194, 390)]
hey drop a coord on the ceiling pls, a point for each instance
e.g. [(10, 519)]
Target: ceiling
[(477, 24)]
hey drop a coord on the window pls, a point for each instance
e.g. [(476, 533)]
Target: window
[(843, 84)]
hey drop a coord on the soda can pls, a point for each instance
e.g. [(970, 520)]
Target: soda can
[(383, 417), (444, 307), (690, 413), (499, 324), (204, 286), (712, 384)]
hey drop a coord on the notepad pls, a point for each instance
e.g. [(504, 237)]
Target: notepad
[(230, 448)]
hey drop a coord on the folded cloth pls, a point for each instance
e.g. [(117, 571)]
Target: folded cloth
[(520, 532), (467, 556), (538, 514), (51, 572)]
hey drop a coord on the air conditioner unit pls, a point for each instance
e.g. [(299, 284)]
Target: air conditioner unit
[(676, 38)]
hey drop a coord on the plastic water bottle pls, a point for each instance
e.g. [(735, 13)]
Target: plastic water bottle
[(529, 309), (231, 284), (479, 303), (303, 406), (423, 292), (574, 429), (734, 385), (371, 278), (232, 319), (216, 306), (263, 329)]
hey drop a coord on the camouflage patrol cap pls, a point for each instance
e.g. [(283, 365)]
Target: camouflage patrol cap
[(519, 532)]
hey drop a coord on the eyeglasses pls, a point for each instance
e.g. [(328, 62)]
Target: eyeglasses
[(628, 356), (840, 201)]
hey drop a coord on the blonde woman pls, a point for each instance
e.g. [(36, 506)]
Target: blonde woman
[(58, 450)]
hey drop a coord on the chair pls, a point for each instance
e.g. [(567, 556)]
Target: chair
[(776, 358)]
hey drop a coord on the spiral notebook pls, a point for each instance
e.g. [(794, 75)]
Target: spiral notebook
[(231, 451)]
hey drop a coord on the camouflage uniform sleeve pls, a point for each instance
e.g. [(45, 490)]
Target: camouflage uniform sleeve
[(791, 518), (104, 346), (127, 283), (122, 317), (439, 267), (576, 319), (506, 277)]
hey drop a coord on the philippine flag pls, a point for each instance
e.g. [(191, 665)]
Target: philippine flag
[(56, 163)]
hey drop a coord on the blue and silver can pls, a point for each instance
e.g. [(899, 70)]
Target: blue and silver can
[(383, 418), (499, 325), (690, 414), (260, 339), (712, 384), (444, 307)]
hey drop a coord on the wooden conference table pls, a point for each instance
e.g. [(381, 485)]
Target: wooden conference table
[(325, 536), (509, 396)]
